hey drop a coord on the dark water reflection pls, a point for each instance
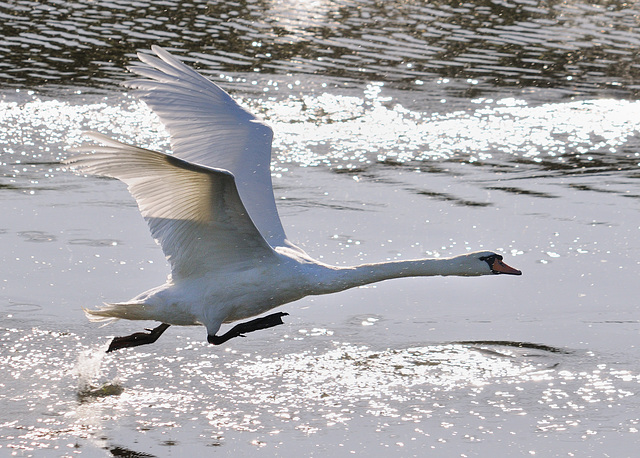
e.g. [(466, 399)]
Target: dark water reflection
[(577, 46)]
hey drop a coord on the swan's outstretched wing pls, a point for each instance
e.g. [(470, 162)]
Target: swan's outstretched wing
[(207, 127), (194, 212)]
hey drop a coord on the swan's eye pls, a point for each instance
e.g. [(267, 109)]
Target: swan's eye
[(497, 266), (491, 259)]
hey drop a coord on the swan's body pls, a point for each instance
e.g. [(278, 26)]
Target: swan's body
[(211, 208)]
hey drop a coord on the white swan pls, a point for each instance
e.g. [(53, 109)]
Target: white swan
[(211, 208)]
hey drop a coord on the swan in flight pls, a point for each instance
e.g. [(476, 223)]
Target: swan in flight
[(210, 206)]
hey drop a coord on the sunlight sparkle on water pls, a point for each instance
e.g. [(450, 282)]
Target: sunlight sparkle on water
[(347, 131), (330, 384)]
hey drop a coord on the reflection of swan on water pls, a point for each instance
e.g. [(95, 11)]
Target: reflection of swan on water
[(211, 208)]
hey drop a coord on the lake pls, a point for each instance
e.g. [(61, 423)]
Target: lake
[(402, 130)]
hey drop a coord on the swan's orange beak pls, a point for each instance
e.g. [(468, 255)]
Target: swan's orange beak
[(500, 267)]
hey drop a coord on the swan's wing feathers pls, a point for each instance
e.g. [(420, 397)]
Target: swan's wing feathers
[(170, 65), (207, 127), (182, 97), (194, 212)]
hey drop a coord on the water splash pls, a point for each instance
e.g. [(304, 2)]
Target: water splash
[(89, 369)]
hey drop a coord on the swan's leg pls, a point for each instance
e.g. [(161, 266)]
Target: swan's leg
[(138, 338), (239, 330)]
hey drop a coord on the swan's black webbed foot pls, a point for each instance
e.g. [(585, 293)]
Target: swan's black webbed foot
[(239, 330), (138, 338)]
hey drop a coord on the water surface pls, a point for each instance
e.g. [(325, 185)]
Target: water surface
[(402, 130)]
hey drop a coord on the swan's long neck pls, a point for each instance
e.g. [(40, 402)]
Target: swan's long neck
[(340, 279)]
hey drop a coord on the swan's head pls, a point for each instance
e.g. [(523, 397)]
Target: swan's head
[(486, 263)]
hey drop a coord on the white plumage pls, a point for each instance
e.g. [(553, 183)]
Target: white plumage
[(211, 208)]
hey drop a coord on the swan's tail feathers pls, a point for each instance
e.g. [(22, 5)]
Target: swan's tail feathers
[(110, 312)]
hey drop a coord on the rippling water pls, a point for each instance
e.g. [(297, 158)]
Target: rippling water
[(403, 129), (193, 398), (577, 46)]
